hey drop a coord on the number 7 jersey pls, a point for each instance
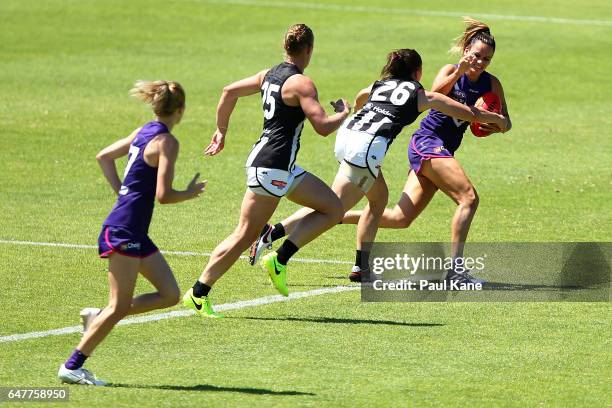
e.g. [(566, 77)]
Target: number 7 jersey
[(134, 207), (392, 104), (279, 143)]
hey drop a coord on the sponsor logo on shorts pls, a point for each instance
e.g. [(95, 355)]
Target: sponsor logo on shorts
[(439, 149), (279, 183), (130, 245)]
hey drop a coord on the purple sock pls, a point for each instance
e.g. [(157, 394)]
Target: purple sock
[(76, 360)]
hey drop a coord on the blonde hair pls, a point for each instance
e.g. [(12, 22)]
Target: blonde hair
[(297, 38), (474, 31), (165, 97)]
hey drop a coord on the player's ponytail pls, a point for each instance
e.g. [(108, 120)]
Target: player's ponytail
[(474, 31), (165, 97), (402, 63), (297, 38)]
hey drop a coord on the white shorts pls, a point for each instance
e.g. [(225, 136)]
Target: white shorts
[(360, 156), (273, 182)]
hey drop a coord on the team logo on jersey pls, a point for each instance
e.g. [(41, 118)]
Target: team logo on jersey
[(279, 183)]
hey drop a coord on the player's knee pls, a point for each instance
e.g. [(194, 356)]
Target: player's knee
[(400, 220), (336, 212), (470, 199), (171, 297), (119, 310), (378, 205), (245, 233)]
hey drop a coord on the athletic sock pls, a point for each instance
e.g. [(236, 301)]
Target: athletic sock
[(200, 289), (286, 251), (277, 232), (76, 360), (362, 259)]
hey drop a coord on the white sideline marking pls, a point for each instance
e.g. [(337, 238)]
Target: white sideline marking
[(416, 12), (185, 253), (266, 300)]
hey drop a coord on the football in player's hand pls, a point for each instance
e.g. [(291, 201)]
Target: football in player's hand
[(489, 102)]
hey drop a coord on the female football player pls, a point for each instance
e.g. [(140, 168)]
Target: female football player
[(152, 152), (432, 147), (288, 98), (389, 104)]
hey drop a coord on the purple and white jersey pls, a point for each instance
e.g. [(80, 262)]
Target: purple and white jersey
[(449, 129), (134, 207)]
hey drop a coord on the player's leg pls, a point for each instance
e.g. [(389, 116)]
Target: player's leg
[(367, 226), (122, 274), (327, 211), (255, 211), (313, 193), (348, 193), (448, 175), (157, 271), (416, 195)]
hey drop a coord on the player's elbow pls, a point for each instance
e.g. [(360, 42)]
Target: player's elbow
[(229, 92), (101, 156), (163, 197), (323, 129)]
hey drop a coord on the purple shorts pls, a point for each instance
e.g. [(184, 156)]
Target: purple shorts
[(125, 242), (425, 147)]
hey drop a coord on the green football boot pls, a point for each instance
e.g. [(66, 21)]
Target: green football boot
[(201, 306), (276, 271)]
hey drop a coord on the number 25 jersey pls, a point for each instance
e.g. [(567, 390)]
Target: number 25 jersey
[(279, 143)]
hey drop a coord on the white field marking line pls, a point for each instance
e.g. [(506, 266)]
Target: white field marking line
[(416, 12), (185, 253), (266, 300)]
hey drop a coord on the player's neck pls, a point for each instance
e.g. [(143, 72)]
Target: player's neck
[(169, 121), (298, 61)]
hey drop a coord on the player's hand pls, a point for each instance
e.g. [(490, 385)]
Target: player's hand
[(465, 62), (195, 187), (341, 106), (217, 143), (490, 127)]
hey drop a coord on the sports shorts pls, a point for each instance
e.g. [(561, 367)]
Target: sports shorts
[(125, 242), (273, 182), (425, 147), (360, 156)]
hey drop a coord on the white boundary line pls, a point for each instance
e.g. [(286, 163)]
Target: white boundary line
[(184, 253), (266, 300), (416, 12)]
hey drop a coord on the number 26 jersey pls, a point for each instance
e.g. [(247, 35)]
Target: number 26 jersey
[(392, 104)]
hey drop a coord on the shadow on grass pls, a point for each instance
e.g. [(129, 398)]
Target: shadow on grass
[(334, 320), (211, 388)]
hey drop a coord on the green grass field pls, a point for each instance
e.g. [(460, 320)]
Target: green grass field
[(66, 68)]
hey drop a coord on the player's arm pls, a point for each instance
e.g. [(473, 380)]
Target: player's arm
[(497, 89), (450, 107), (168, 148), (362, 97), (107, 156), (306, 93), (449, 75), (227, 103)]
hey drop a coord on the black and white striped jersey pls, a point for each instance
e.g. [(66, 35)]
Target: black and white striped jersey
[(279, 143), (392, 104)]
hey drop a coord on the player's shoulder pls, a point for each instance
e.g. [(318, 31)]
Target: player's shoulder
[(495, 82), (167, 142), (300, 83)]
